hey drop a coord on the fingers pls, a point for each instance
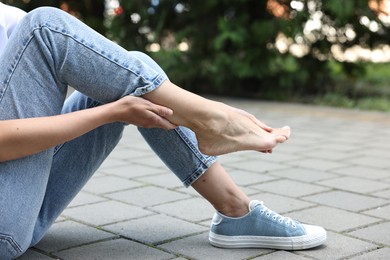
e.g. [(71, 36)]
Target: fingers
[(164, 123), (162, 111), (161, 114)]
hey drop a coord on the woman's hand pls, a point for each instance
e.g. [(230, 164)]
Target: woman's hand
[(141, 112)]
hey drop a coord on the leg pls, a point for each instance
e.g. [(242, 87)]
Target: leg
[(219, 189), (239, 222), (178, 149), (74, 163)]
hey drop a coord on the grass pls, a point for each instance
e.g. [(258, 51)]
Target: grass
[(370, 91)]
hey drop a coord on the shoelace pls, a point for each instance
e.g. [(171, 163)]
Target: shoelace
[(276, 216)]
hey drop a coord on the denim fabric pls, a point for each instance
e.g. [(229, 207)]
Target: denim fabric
[(48, 51)]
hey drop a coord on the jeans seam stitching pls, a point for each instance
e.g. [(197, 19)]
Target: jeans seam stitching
[(205, 160), (11, 241), (14, 65), (198, 154)]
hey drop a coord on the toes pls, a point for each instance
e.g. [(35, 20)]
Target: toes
[(281, 138)]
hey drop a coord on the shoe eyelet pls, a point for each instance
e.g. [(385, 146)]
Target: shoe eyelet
[(268, 214), (280, 221), (294, 226), (274, 218)]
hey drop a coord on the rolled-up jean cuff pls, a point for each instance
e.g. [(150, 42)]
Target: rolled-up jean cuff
[(199, 171), (150, 87)]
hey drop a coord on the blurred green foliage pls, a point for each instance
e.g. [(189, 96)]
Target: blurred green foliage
[(233, 44)]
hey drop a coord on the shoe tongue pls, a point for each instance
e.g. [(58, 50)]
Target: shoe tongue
[(253, 204)]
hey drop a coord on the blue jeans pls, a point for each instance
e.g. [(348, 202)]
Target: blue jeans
[(48, 51)]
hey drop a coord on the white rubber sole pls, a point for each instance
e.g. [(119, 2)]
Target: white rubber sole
[(316, 236)]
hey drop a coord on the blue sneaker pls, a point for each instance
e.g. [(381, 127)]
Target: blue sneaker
[(263, 228)]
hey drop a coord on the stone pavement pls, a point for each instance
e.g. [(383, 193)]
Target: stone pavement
[(334, 172)]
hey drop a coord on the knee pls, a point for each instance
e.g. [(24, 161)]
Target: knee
[(44, 16), (147, 60), (43, 13), (10, 248), (141, 56)]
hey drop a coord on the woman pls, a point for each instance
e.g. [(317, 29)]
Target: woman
[(50, 148)]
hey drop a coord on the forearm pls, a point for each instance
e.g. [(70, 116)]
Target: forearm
[(23, 137)]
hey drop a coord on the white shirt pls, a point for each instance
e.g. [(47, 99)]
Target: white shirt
[(9, 17)]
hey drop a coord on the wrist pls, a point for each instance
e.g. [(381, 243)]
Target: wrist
[(107, 113)]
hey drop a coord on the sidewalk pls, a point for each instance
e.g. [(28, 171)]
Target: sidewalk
[(333, 172)]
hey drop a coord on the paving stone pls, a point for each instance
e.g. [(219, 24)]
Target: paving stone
[(126, 153), (107, 184), (167, 180), (152, 161), (355, 184), (33, 255), (69, 234), (294, 148), (336, 146), (329, 154), (244, 178), (338, 247), (60, 219), (281, 204), (85, 198), (133, 170), (257, 166), (155, 229), (383, 194), (232, 158), (117, 249), (378, 150), (333, 219), (147, 196), (190, 191), (105, 213), (198, 247), (290, 188), (317, 164), (371, 161), (281, 255), (346, 200), (304, 175), (112, 162), (377, 233), (193, 210), (380, 212), (380, 254), (249, 191), (276, 157), (363, 172)]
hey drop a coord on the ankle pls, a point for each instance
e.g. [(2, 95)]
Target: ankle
[(210, 119), (237, 209)]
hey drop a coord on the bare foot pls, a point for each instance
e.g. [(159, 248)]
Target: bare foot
[(219, 128), (233, 130)]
